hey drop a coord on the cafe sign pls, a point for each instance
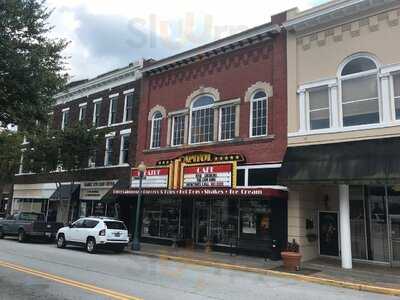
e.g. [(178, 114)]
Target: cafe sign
[(95, 190), (208, 175), (153, 177)]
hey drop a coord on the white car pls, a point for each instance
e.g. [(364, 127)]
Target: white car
[(94, 232)]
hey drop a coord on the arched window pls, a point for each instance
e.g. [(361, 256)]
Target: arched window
[(359, 89), (202, 120), (156, 130), (258, 114)]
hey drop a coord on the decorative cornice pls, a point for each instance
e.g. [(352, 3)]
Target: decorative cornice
[(229, 43), (98, 84), (333, 11)]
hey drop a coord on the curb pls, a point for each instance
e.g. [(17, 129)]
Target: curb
[(306, 278)]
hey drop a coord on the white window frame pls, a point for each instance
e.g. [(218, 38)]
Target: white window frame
[(212, 106), (95, 102), (113, 98), (252, 100), (220, 121), (368, 73), (123, 136), (106, 154), (81, 106), (126, 94), (393, 97), (173, 129), (64, 113), (308, 110), (153, 119)]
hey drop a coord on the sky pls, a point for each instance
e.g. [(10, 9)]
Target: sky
[(105, 35)]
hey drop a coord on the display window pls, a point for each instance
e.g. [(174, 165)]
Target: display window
[(255, 219), (161, 218)]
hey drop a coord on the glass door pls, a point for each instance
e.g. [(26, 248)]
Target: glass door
[(395, 239), (202, 221)]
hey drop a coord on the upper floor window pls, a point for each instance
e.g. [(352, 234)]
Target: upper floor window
[(109, 155), (359, 90), (96, 113), (124, 152), (319, 108), (128, 107), (227, 122), (156, 130), (112, 116), (82, 112), (202, 120), (259, 114), (65, 118), (396, 91), (178, 130)]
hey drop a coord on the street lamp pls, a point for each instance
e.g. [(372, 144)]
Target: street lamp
[(136, 241)]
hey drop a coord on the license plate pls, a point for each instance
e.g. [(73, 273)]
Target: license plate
[(117, 234), (48, 234)]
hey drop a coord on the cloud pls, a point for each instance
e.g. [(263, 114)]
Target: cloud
[(109, 34)]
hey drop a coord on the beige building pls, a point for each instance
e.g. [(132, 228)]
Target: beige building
[(342, 165)]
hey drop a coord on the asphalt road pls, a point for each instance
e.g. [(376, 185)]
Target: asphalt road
[(41, 271)]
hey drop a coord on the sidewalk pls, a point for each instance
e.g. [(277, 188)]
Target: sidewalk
[(363, 276)]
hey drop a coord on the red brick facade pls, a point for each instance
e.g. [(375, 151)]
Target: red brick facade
[(232, 74)]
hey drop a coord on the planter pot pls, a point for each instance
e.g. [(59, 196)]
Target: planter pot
[(291, 260)]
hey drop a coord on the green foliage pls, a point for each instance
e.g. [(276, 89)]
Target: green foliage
[(10, 155), (68, 149), (31, 63)]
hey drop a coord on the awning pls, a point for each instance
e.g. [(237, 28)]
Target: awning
[(34, 191), (64, 192), (110, 197), (360, 162)]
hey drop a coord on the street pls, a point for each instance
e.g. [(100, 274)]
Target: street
[(41, 271)]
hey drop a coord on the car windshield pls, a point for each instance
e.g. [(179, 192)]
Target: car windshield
[(114, 225), (31, 217)]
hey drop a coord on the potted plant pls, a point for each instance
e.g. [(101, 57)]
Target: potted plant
[(291, 256)]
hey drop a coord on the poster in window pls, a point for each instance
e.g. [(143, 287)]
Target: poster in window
[(328, 233)]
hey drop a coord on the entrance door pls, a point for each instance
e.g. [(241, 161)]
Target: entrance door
[(328, 233), (202, 221), (395, 239)]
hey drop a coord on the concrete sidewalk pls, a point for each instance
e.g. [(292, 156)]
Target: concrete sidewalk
[(363, 276)]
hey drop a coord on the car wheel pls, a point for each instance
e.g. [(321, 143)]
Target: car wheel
[(61, 241), (1, 233), (21, 236), (91, 245)]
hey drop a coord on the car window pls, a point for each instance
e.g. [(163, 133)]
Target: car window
[(31, 217), (114, 225), (78, 224), (90, 223), (11, 217)]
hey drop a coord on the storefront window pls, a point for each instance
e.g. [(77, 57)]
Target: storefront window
[(161, 218), (255, 219), (357, 223), (261, 177)]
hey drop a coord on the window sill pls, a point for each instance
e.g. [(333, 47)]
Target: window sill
[(345, 129), (114, 125), (236, 141)]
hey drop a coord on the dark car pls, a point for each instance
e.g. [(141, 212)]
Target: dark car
[(28, 224)]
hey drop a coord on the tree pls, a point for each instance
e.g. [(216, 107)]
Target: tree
[(10, 157), (31, 63), (61, 153)]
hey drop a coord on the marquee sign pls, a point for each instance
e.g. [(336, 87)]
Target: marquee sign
[(207, 175), (152, 178), (198, 157)]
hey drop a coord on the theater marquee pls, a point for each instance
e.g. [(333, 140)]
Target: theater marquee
[(208, 175), (152, 178)]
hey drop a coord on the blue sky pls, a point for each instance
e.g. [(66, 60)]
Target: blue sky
[(109, 34)]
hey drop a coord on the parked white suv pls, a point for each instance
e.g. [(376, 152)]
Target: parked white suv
[(94, 232)]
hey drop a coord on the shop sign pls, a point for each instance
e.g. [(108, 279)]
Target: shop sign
[(95, 190), (199, 157), (243, 192), (218, 175), (152, 178)]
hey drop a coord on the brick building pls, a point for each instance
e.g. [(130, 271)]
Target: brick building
[(213, 135), (108, 102)]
